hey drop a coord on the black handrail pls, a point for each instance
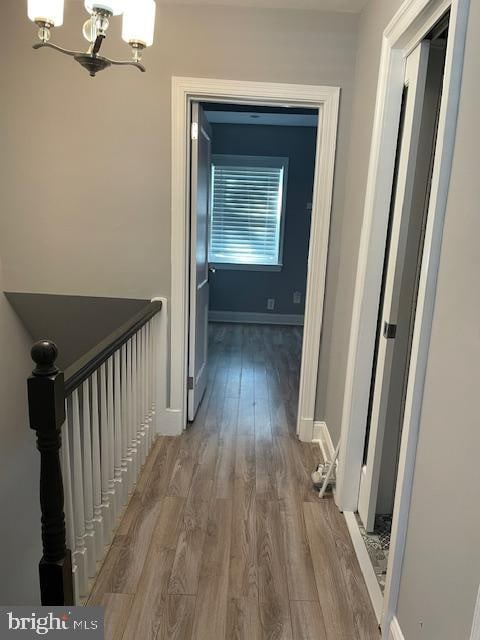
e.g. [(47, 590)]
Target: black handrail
[(83, 368)]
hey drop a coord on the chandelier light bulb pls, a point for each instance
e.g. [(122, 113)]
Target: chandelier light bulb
[(46, 11), (115, 7), (139, 22)]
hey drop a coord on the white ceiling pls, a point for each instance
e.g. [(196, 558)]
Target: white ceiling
[(278, 119), (354, 6)]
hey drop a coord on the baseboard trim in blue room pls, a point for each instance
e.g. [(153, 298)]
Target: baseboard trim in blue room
[(246, 317)]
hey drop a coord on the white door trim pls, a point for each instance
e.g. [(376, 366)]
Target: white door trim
[(395, 630), (409, 26), (415, 79), (475, 634), (365, 563), (326, 100)]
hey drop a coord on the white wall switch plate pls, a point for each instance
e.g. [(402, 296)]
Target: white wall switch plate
[(297, 297), (271, 304)]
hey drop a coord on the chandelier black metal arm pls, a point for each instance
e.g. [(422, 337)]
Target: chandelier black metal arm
[(91, 60)]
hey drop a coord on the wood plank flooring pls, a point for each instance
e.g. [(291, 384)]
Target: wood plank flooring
[(224, 537)]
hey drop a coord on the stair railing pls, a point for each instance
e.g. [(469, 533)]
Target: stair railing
[(95, 426)]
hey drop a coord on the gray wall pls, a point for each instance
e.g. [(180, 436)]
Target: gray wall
[(20, 542), (232, 290), (441, 568), (344, 250), (85, 168)]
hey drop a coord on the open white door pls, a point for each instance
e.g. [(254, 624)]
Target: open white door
[(415, 82), (199, 289)]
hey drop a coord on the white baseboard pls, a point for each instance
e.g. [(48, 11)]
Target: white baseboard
[(170, 423), (395, 631), (475, 635), (369, 576), (305, 429), (321, 434), (255, 318)]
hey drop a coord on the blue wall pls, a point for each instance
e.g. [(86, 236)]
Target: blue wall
[(248, 291)]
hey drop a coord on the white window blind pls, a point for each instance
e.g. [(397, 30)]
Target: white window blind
[(247, 210)]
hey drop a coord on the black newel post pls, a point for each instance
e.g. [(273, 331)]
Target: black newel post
[(46, 403)]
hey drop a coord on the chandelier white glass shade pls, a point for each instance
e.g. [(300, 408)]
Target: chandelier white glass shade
[(138, 29), (139, 23), (47, 11)]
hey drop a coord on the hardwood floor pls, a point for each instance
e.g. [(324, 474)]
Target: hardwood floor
[(224, 538)]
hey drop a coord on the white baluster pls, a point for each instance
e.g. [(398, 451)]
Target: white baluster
[(68, 508), (141, 407), (146, 390), (81, 553), (107, 507), (87, 480), (137, 401), (132, 410), (117, 401), (97, 480), (111, 440), (141, 388), (126, 461), (136, 425), (146, 420)]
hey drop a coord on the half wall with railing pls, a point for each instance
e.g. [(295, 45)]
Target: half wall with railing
[(95, 425)]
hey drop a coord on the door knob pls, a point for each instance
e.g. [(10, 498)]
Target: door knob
[(212, 269)]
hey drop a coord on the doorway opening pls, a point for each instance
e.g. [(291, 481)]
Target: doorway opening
[(325, 102), (252, 182), (409, 208)]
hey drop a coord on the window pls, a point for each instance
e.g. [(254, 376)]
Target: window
[(248, 202)]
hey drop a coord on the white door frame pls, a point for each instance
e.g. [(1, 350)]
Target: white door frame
[(407, 29), (326, 100), (415, 78)]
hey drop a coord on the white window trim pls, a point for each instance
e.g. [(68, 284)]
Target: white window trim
[(256, 161)]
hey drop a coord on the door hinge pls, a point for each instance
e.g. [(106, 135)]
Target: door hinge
[(190, 383), (194, 131), (389, 330)]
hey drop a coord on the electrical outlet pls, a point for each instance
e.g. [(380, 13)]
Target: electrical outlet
[(297, 297), (271, 304)]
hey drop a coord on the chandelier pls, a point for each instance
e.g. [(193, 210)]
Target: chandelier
[(138, 29)]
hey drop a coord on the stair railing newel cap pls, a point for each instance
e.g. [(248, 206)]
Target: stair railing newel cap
[(44, 353), (46, 389)]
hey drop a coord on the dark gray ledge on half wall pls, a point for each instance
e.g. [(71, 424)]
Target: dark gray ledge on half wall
[(75, 323)]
